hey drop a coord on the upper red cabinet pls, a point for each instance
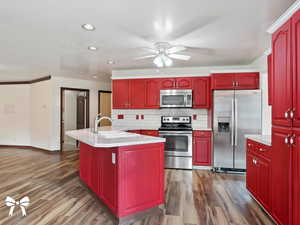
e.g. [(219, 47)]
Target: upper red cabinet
[(246, 81), (183, 83), (237, 81), (120, 94), (222, 81), (270, 79), (152, 93), (167, 83), (176, 83), (201, 92), (137, 94), (282, 76), (295, 113)]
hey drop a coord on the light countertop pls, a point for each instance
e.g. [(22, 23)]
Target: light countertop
[(264, 139), (112, 137)]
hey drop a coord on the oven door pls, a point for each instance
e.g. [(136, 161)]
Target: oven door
[(178, 143)]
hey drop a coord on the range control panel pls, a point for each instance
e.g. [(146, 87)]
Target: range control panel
[(176, 119)]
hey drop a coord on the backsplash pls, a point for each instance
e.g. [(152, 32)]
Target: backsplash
[(152, 118)]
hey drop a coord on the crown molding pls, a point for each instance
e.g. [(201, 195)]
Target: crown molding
[(284, 17), (26, 82)]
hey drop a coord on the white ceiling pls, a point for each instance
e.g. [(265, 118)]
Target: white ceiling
[(42, 37)]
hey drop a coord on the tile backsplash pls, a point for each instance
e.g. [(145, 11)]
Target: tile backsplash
[(151, 119)]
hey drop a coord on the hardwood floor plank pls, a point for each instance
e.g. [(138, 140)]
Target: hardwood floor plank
[(58, 197)]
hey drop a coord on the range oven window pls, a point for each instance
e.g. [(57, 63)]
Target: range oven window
[(173, 100), (176, 143)]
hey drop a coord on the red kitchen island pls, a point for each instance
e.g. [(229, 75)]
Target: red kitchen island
[(125, 171)]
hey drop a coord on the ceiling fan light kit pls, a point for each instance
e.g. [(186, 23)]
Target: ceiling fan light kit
[(163, 54)]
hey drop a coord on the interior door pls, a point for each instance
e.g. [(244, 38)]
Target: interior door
[(105, 107), (81, 111), (247, 121), (223, 123)]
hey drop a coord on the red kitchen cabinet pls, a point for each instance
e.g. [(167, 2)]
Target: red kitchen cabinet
[(176, 83), (167, 83), (296, 70), (235, 81), (152, 89), (223, 81), (296, 177), (246, 81), (109, 176), (137, 94), (258, 176), (251, 175), (202, 148), (85, 163), (270, 93), (120, 94), (264, 182), (183, 83), (281, 174), (201, 93), (282, 76), (134, 131), (150, 132)]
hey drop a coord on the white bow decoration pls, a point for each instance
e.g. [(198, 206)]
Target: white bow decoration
[(10, 202)]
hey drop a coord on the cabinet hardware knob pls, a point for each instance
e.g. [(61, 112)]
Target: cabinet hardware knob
[(292, 140), (292, 113), (286, 114), (286, 140), (262, 150)]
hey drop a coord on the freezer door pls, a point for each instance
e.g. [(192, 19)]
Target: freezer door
[(248, 121), (223, 124)]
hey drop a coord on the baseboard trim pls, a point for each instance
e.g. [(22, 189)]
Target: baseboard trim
[(27, 147)]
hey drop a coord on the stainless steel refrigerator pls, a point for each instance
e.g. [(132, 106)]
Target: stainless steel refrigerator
[(236, 113)]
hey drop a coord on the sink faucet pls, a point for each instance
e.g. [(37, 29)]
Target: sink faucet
[(98, 119)]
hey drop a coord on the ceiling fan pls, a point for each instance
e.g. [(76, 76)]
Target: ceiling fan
[(164, 52)]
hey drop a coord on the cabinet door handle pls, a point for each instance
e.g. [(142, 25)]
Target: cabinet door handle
[(286, 114), (262, 150), (236, 83), (292, 140), (249, 145), (286, 140), (113, 158), (292, 113), (233, 83)]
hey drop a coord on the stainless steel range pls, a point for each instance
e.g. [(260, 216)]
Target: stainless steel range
[(177, 130)]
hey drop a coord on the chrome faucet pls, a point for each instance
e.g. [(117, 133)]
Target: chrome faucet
[(98, 119)]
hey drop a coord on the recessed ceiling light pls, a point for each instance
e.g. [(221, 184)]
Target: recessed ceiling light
[(95, 76), (88, 27), (110, 62), (92, 48)]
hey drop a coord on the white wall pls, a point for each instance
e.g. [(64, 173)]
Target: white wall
[(30, 113), (262, 64), (41, 114), (15, 114), (57, 83)]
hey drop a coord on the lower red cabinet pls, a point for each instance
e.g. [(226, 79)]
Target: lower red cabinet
[(258, 176), (150, 132), (202, 148)]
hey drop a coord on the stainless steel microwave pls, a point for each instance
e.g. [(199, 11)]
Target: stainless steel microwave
[(176, 98)]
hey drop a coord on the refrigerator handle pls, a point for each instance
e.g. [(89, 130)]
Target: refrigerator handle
[(232, 122), (236, 122)]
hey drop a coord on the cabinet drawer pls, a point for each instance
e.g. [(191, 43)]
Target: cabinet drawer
[(202, 133), (150, 132), (254, 147)]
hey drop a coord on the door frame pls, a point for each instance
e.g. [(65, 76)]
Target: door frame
[(87, 116), (99, 92)]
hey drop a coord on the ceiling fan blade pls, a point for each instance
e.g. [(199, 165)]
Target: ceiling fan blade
[(176, 49), (145, 57), (180, 57)]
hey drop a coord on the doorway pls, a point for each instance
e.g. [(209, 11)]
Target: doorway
[(104, 106), (74, 115)]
